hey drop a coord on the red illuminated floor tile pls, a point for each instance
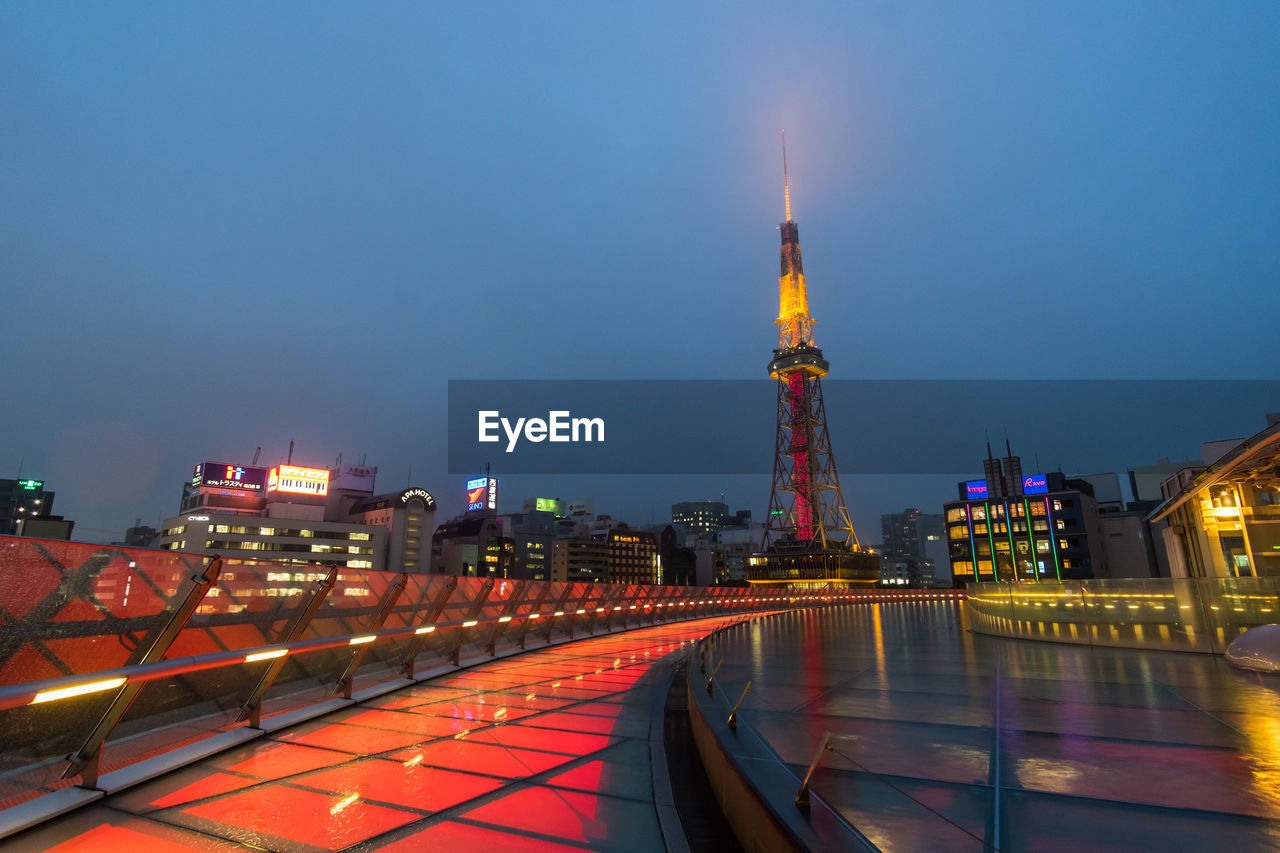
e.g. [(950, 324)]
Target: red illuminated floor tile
[(421, 722), (281, 812), (571, 743), (134, 836), (486, 758), (474, 839), (275, 760), (495, 712), (426, 694), (532, 700), (603, 823), (401, 783), (568, 690), (357, 740), (582, 723), (177, 788)]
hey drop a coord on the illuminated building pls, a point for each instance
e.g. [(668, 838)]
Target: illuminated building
[(700, 516), (1222, 519), (1012, 526), (278, 539), (532, 534), (633, 556), (291, 512), (473, 545), (581, 560), (809, 538), (409, 517), (555, 506), (21, 499)]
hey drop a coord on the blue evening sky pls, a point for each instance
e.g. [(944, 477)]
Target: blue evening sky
[(236, 224)]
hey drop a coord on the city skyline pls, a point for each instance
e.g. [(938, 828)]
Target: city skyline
[(238, 230)]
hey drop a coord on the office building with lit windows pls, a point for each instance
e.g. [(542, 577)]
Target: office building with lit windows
[(1022, 528), (327, 543), (287, 513), (633, 556)]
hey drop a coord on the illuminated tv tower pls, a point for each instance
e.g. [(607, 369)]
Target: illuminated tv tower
[(809, 538)]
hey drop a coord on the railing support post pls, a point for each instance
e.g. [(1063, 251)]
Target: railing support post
[(802, 796), (389, 599), (251, 708), (733, 715), (87, 760), (513, 602), (420, 642), (455, 644)]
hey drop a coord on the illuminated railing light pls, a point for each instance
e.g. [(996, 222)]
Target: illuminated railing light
[(470, 623), (600, 609), (581, 611), (559, 613), (360, 641), (504, 618), (534, 615), (425, 629), (256, 656), (77, 690)]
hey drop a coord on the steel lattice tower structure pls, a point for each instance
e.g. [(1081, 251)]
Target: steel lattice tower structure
[(809, 537)]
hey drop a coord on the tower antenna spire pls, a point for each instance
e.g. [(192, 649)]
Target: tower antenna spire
[(786, 180)]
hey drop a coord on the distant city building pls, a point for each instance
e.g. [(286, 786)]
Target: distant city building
[(45, 527), (21, 499), (291, 513), (532, 535), (140, 535), (696, 517), (409, 517), (633, 557), (472, 546), (555, 506), (580, 560), (914, 547), (1222, 518), (1022, 527)]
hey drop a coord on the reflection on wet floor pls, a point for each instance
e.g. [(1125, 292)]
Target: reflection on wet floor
[(1097, 749), (543, 751)]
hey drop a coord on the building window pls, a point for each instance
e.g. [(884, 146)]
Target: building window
[(1062, 543), (1042, 547)]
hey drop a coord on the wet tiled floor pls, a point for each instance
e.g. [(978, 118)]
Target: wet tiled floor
[(947, 740), (544, 751)]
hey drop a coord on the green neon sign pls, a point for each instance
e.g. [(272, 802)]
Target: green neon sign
[(31, 485)]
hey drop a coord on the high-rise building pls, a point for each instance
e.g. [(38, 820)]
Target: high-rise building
[(809, 538)]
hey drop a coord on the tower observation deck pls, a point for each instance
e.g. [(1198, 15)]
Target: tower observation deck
[(809, 538)]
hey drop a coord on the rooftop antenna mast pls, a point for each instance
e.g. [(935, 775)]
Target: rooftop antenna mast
[(786, 179)]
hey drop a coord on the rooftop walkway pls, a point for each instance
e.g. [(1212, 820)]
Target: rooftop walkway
[(545, 751), (948, 740)]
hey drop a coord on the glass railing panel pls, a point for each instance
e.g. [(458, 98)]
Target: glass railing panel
[(69, 608)]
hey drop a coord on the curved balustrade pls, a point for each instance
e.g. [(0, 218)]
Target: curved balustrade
[(114, 660), (1177, 614)]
